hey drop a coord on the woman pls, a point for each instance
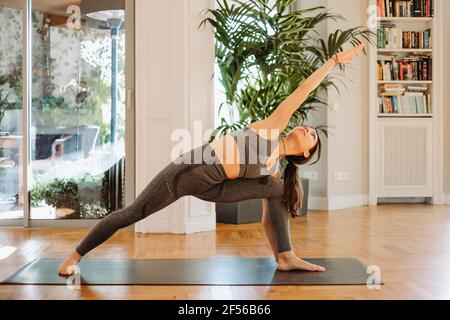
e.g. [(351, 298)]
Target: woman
[(230, 174)]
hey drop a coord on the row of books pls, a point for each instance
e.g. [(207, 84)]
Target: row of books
[(409, 103), (391, 37), (411, 68), (396, 99), (408, 8)]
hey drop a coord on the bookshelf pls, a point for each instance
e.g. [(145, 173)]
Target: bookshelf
[(406, 89)]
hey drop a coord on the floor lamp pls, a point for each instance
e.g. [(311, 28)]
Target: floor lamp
[(108, 15)]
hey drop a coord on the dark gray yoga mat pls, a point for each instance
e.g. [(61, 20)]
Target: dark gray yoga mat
[(217, 271)]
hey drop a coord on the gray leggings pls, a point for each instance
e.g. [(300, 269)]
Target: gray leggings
[(207, 182)]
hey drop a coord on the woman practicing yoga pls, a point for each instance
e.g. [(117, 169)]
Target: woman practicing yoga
[(230, 174)]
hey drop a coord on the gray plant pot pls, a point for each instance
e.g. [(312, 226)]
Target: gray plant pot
[(249, 211)]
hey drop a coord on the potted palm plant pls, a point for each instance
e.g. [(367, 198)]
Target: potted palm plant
[(263, 53)]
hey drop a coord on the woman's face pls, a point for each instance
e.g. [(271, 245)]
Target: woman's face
[(306, 138)]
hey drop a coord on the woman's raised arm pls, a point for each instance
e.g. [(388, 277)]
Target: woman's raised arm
[(279, 119)]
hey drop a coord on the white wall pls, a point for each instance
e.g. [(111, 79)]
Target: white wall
[(346, 149), (318, 188)]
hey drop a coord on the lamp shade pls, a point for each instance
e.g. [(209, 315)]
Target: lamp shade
[(103, 10)]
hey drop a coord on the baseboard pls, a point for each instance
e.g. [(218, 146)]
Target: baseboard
[(447, 199), (156, 223), (353, 201), (404, 200), (69, 224), (11, 223), (317, 203), (338, 202), (202, 226)]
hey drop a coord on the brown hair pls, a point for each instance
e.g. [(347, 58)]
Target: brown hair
[(293, 190)]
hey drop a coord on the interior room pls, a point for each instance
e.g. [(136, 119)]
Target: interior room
[(102, 102)]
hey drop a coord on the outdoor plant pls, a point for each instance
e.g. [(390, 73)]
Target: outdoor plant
[(264, 52), (59, 193), (6, 100), (92, 196), (84, 195)]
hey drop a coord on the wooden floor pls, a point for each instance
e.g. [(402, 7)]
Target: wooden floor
[(410, 243)]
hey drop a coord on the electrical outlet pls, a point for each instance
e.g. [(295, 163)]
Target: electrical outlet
[(311, 175), (346, 176), (341, 176)]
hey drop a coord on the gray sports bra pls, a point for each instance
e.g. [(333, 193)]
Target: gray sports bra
[(254, 151)]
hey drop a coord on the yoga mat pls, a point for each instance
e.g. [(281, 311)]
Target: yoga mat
[(216, 271)]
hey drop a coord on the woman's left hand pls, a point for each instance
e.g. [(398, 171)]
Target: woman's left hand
[(349, 55)]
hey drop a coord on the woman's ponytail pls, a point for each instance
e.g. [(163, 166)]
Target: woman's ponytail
[(293, 191), (293, 188)]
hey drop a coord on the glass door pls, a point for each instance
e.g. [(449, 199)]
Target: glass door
[(77, 115), (11, 159)]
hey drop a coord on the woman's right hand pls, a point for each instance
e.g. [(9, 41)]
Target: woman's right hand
[(348, 56)]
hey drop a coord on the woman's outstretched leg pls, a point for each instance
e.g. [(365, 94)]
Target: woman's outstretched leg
[(172, 183), (156, 195)]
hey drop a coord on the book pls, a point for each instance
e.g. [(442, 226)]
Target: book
[(406, 8), (410, 68), (413, 88), (407, 103), (389, 86)]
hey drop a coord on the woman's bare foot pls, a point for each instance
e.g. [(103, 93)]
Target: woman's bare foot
[(289, 262), (68, 267)]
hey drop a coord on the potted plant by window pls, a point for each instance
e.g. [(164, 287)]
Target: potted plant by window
[(73, 198), (62, 194), (264, 52)]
